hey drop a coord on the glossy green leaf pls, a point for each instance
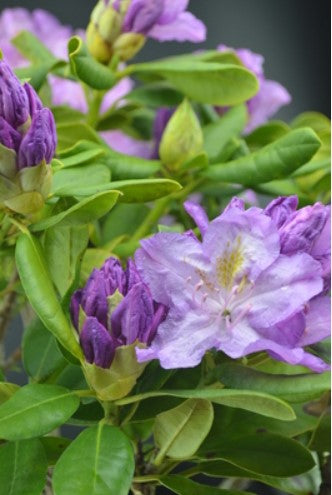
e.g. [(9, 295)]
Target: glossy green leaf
[(263, 453), (32, 48), (266, 134), (321, 438), (7, 390), (275, 161), (87, 69), (23, 468), (217, 134), (292, 388), (130, 167), (35, 74), (106, 468), (63, 249), (179, 432), (123, 221), (204, 82), (40, 292), (41, 355), (69, 133), (81, 153), (79, 177), (317, 121), (183, 486), (85, 211), (63, 114), (155, 95), (264, 404), (133, 191), (35, 410)]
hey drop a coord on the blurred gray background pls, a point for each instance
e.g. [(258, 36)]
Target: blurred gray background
[(293, 36)]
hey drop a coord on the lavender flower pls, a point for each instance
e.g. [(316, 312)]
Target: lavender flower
[(25, 126), (114, 309), (271, 95), (237, 291), (121, 27)]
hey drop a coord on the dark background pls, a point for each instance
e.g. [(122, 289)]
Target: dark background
[(293, 36)]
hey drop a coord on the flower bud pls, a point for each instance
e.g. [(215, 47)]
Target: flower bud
[(182, 139), (113, 314), (27, 145)]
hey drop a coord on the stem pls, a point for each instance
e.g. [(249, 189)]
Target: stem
[(5, 312), (94, 107)]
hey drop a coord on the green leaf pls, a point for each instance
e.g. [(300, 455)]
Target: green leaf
[(317, 121), (64, 114), (80, 153), (41, 355), (180, 431), (35, 74), (77, 178), (133, 191), (40, 292), (266, 134), (204, 82), (63, 249), (321, 438), (54, 447), (23, 468), (275, 161), (123, 221), (155, 95), (217, 134), (32, 48), (70, 132), (183, 486), (35, 410), (264, 404), (301, 485), (292, 388), (106, 468), (7, 390), (86, 68), (86, 211), (263, 453), (130, 167)]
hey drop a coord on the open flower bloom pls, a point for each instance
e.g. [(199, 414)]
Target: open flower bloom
[(242, 289), (115, 308), (271, 95)]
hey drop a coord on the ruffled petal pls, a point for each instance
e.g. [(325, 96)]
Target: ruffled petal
[(186, 27)]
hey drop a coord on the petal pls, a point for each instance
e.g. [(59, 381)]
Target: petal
[(9, 137), (117, 93), (198, 214), (97, 344), (186, 27), (181, 340), (66, 92), (283, 289), (281, 209), (75, 307), (167, 262), (172, 8), (318, 321), (122, 143)]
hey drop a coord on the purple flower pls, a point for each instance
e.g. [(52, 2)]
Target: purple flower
[(164, 20), (236, 291), (25, 126), (271, 95), (115, 308)]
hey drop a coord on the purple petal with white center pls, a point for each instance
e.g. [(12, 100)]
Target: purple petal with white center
[(283, 289), (281, 209), (186, 27), (97, 344), (318, 321), (198, 214), (39, 142)]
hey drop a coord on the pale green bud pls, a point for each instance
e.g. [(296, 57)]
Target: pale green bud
[(128, 44), (182, 139)]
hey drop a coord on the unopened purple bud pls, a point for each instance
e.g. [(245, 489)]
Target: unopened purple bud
[(132, 275), (159, 316), (97, 344), (114, 276), (35, 103), (39, 143), (75, 307), (281, 209), (9, 137), (142, 15), (14, 103), (303, 228)]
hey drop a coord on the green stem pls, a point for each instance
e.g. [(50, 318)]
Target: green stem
[(94, 107)]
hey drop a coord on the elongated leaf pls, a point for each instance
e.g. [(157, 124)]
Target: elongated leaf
[(23, 468), (80, 153), (263, 453), (94, 74), (183, 486), (71, 132), (32, 48), (204, 82), (266, 134), (7, 390), (41, 355), (40, 292), (217, 134), (85, 211), (130, 167), (106, 468), (133, 191), (35, 410), (264, 404), (293, 388), (156, 95), (179, 432), (275, 161), (79, 177)]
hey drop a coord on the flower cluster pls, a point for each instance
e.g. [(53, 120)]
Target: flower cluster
[(254, 283), (121, 27), (27, 138), (115, 308)]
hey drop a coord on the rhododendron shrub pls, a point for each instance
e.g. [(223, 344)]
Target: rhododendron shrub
[(166, 248)]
